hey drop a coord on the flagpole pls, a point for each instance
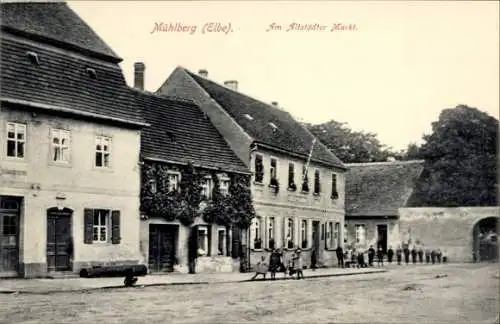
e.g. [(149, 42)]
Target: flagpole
[(308, 160)]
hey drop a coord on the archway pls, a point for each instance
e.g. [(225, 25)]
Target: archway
[(485, 240)]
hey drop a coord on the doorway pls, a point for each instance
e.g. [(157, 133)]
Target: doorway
[(485, 240), (162, 247), (316, 239), (10, 208), (58, 239), (382, 237)]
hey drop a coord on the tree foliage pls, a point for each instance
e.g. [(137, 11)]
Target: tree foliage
[(461, 160), (348, 145)]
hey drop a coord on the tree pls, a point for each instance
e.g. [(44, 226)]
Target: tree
[(461, 160), (348, 145), (412, 152)]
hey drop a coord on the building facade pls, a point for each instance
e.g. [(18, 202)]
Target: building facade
[(70, 142), (375, 193), (275, 147), (181, 137)]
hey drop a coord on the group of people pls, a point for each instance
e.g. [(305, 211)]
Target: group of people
[(278, 262), (404, 253)]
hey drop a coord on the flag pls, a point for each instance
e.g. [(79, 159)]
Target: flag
[(308, 160)]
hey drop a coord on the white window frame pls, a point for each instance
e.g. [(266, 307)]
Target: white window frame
[(60, 134), (224, 247), (173, 185), (336, 235), (99, 226), (273, 170), (271, 221), (360, 239), (256, 232), (19, 128), (304, 233), (318, 172), (154, 185), (289, 234), (224, 183), (204, 229), (207, 187), (101, 140), (257, 156)]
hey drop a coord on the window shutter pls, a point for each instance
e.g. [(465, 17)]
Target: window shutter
[(115, 227), (88, 227), (209, 240)]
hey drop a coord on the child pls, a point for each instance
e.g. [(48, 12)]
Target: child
[(261, 268)]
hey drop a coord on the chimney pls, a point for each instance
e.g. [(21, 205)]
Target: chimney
[(274, 103), (232, 84), (139, 69), (203, 73)]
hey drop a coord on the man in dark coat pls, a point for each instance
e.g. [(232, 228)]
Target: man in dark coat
[(380, 257), (399, 254), (406, 252), (314, 260), (371, 255), (420, 254), (340, 256), (414, 255), (390, 254), (427, 255), (433, 256)]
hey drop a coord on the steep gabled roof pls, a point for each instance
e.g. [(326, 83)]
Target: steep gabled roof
[(54, 23), (268, 125), (380, 188), (62, 82), (180, 133)]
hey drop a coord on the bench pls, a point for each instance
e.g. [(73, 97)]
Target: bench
[(130, 272)]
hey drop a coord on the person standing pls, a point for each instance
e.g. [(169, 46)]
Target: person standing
[(414, 254), (433, 256), (406, 252), (380, 257), (261, 268), (371, 255), (299, 264), (438, 255), (274, 263), (390, 254), (399, 254), (340, 256), (427, 255), (420, 254), (314, 260)]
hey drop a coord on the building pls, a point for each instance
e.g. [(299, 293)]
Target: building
[(70, 134), (181, 134), (375, 192), (291, 213)]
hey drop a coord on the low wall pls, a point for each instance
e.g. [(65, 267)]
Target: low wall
[(449, 229)]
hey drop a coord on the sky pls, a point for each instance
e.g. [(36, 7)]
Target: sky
[(391, 74)]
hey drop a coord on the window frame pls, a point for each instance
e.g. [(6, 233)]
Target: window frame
[(259, 176), (223, 188), (224, 241), (289, 229), (356, 235), (207, 184), (304, 233), (16, 141), (335, 193), (317, 182), (60, 131), (202, 228), (177, 176), (292, 186), (271, 232), (107, 226), (256, 233), (103, 152)]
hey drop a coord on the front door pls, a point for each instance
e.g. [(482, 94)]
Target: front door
[(9, 235), (58, 239), (382, 237), (162, 247)]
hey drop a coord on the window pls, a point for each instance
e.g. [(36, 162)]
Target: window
[(60, 145), (206, 185), (303, 234), (317, 185), (202, 240), (259, 169), (224, 186), (345, 233), (16, 140), (102, 151), (154, 185), (336, 236), (273, 171), (270, 233), (289, 235), (360, 234), (305, 182), (329, 235), (101, 223), (221, 241), (256, 233), (173, 181), (291, 177), (332, 235), (335, 194), (9, 230)]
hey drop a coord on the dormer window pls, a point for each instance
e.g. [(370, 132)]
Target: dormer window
[(247, 116), (273, 125), (92, 73), (33, 57)]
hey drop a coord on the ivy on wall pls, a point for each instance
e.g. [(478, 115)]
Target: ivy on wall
[(184, 204)]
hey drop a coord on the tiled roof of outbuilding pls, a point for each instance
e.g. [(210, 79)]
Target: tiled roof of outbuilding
[(380, 188), (179, 132)]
